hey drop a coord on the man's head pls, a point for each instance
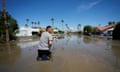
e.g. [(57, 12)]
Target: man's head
[(49, 29)]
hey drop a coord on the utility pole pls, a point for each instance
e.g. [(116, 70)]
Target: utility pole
[(5, 20)]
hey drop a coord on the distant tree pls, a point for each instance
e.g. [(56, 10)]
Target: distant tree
[(12, 24), (87, 29), (116, 32), (66, 26), (38, 23), (79, 27), (111, 22), (26, 25), (13, 28), (62, 21), (62, 24), (32, 23), (52, 20), (27, 20), (35, 24)]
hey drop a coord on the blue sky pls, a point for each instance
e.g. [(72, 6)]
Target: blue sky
[(73, 12)]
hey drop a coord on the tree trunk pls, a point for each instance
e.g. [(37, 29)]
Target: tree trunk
[(5, 20)]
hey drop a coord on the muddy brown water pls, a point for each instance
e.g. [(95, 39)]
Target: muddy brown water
[(74, 53)]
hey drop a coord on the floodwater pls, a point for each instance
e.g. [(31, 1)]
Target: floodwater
[(74, 53)]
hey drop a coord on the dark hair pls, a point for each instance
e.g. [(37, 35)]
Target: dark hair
[(48, 27)]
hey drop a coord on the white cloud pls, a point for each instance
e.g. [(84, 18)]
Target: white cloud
[(87, 6)]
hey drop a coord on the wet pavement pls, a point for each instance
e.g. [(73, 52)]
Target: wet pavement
[(74, 53)]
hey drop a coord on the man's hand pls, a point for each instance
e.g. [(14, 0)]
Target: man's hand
[(50, 44)]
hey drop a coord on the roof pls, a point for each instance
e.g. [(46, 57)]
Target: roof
[(104, 28)]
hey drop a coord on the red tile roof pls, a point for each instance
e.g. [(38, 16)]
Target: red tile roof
[(104, 28)]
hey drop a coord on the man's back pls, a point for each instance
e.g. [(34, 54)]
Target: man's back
[(45, 43), (44, 39)]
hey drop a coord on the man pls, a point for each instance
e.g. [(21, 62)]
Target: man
[(45, 43)]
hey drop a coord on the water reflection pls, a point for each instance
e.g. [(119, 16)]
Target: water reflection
[(116, 52), (79, 38), (9, 54), (93, 40), (67, 38), (73, 53), (86, 39)]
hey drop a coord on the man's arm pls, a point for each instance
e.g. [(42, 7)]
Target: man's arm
[(50, 42)]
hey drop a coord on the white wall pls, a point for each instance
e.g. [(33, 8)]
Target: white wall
[(24, 31)]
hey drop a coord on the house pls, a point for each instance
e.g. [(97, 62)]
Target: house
[(27, 31), (106, 30), (24, 31)]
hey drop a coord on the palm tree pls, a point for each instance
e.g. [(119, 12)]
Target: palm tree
[(32, 23), (62, 21), (79, 27), (52, 19), (26, 25), (62, 24), (35, 24), (67, 26), (27, 20), (113, 22), (38, 23), (68, 29), (109, 23)]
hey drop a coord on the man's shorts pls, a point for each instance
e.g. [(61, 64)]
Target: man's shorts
[(44, 52)]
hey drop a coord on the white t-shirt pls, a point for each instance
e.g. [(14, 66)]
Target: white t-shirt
[(44, 39)]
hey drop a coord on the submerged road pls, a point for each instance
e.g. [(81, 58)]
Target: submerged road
[(74, 53)]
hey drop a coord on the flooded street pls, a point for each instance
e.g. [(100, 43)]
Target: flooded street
[(74, 53)]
